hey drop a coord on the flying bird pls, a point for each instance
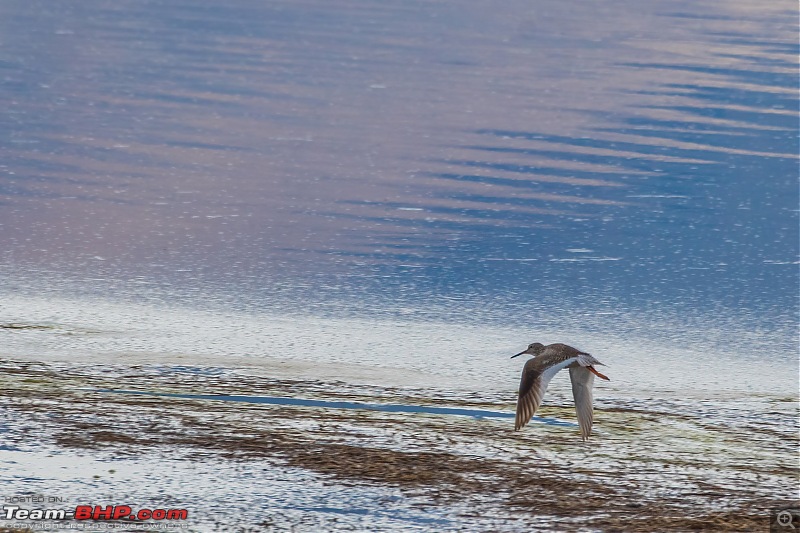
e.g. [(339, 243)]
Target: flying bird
[(537, 373)]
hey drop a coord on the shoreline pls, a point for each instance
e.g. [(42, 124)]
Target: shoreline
[(635, 474)]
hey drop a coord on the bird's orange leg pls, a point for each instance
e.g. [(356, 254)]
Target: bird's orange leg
[(596, 373)]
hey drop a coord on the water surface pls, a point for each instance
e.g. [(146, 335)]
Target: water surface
[(628, 159)]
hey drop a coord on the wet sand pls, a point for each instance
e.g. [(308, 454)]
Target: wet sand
[(643, 470)]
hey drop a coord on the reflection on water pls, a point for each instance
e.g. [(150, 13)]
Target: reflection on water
[(511, 164)]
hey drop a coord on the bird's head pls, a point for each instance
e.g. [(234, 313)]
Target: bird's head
[(534, 349)]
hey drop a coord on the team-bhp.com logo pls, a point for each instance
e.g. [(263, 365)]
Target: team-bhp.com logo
[(96, 512)]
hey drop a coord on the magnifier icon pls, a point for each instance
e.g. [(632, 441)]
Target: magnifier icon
[(784, 519)]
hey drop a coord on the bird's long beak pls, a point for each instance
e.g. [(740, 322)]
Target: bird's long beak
[(520, 353)]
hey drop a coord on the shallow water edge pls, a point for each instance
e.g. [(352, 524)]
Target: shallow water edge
[(642, 470)]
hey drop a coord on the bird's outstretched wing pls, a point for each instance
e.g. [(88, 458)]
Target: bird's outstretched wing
[(582, 381), (536, 375)]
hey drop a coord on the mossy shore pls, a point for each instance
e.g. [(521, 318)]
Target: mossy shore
[(643, 470)]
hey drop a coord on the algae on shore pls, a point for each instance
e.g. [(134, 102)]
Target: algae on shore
[(668, 469)]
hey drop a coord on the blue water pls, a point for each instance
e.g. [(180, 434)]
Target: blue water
[(304, 402), (509, 165)]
